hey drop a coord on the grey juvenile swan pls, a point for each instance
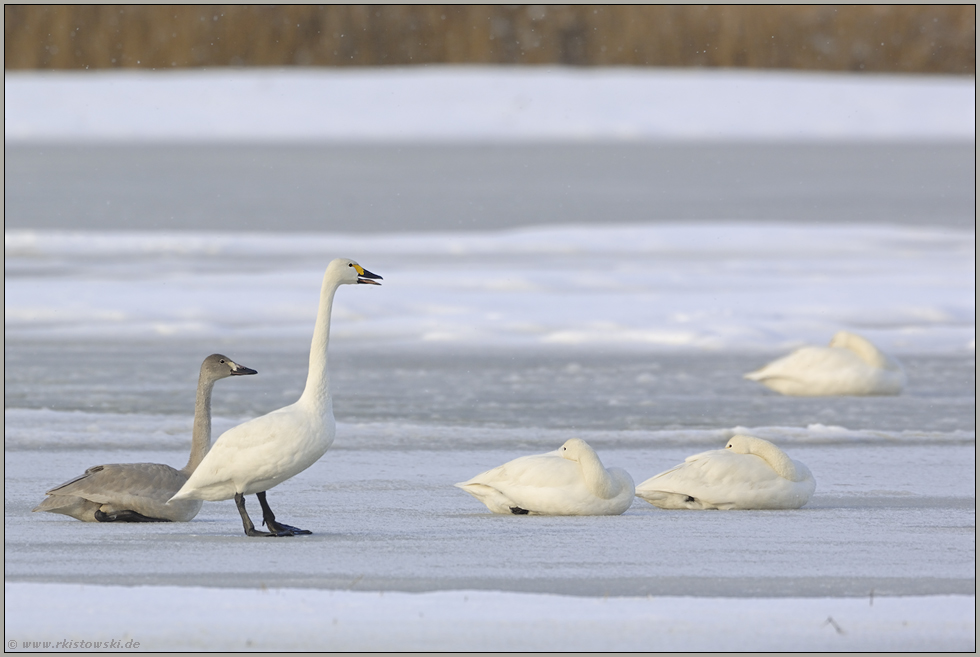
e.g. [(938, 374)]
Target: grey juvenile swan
[(138, 492)]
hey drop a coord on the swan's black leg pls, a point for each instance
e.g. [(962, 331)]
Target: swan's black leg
[(269, 519), (250, 529), (125, 516)]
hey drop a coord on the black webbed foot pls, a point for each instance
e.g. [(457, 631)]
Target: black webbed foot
[(258, 532), (518, 511), (125, 516), (250, 529), (269, 520), (282, 527)]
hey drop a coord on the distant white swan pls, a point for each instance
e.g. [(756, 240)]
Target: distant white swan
[(569, 481), (750, 473), (138, 492), (851, 365), (266, 451)]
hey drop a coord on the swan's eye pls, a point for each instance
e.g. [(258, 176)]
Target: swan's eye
[(222, 361)]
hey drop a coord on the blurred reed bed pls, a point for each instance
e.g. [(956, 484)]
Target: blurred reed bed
[(882, 38)]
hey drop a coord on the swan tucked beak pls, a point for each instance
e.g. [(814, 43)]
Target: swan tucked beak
[(241, 370), (364, 276)]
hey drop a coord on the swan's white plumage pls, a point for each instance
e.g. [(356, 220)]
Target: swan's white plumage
[(750, 473), (851, 365), (265, 451), (144, 488), (568, 481), (261, 453)]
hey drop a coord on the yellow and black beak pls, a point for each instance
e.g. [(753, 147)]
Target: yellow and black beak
[(366, 277)]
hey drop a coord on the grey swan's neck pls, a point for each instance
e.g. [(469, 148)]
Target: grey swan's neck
[(201, 437)]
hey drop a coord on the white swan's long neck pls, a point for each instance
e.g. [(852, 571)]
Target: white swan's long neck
[(201, 436), (316, 395), (869, 353), (597, 478), (777, 460)]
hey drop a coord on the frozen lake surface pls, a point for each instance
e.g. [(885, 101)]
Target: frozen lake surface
[(391, 520), (484, 348), (613, 290), (385, 188)]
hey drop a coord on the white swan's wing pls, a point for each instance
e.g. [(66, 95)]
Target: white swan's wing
[(674, 488), (530, 472), (719, 479), (491, 497), (544, 484), (680, 466), (807, 362), (259, 454)]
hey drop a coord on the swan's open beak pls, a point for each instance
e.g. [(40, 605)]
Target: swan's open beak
[(366, 277), (241, 370)]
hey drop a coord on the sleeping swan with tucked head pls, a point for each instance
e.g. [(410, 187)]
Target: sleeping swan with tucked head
[(569, 481), (750, 473), (851, 365)]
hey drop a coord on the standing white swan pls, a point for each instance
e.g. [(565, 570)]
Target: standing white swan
[(569, 481), (138, 492), (750, 473), (266, 451), (851, 365)]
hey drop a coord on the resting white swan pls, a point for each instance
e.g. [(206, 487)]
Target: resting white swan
[(851, 365), (266, 451), (750, 473), (569, 481), (138, 492)]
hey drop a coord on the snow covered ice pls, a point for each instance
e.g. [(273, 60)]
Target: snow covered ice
[(305, 619), (717, 286), (452, 103), (486, 345)]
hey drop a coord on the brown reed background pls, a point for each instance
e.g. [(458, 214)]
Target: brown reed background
[(882, 38)]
